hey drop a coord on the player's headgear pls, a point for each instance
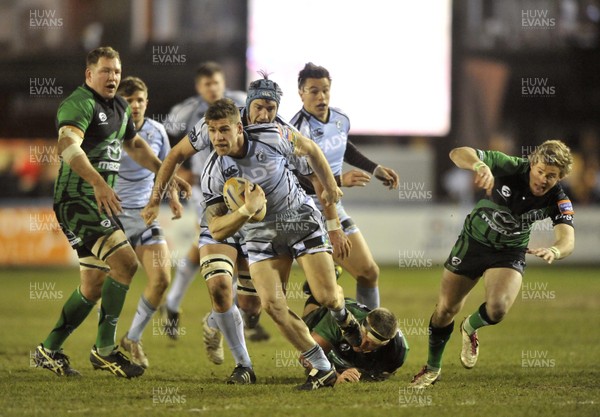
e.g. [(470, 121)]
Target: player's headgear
[(265, 89)]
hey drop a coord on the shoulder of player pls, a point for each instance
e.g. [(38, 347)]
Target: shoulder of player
[(338, 112), (152, 125), (188, 102), (238, 97)]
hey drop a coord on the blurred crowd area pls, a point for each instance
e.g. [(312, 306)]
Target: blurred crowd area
[(495, 54)]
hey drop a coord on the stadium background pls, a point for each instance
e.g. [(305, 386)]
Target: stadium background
[(493, 55)]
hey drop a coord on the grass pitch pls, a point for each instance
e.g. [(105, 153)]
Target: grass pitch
[(542, 361)]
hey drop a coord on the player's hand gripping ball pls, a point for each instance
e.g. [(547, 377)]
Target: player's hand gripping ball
[(233, 193)]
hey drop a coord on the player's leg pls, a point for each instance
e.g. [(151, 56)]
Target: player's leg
[(114, 250), (78, 306), (185, 273), (155, 259), (249, 303), (361, 265), (454, 289), (270, 278), (502, 287), (217, 268), (320, 274)]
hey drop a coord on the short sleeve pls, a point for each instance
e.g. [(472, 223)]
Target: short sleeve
[(76, 113)]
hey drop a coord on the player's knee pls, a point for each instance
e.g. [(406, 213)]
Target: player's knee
[(91, 292), (446, 312), (221, 294), (369, 273), (496, 310)]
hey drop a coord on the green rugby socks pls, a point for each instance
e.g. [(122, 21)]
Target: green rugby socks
[(113, 298), (73, 313)]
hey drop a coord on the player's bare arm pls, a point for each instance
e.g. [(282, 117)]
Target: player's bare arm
[(340, 242), (466, 158), (69, 147), (564, 243), (317, 161), (222, 224), (178, 154)]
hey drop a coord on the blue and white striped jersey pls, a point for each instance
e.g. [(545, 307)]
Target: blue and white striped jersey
[(200, 141), (270, 151), (331, 136), (134, 184)]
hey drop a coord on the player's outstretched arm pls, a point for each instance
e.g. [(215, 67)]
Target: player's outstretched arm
[(222, 224), (69, 148), (356, 158), (178, 154), (466, 158), (564, 244), (318, 163)]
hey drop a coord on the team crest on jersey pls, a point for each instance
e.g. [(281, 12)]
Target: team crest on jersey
[(106, 223), (232, 171), (114, 150), (505, 191), (565, 207), (455, 261), (338, 124), (102, 117), (318, 132)]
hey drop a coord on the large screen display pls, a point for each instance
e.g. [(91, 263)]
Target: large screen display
[(389, 60)]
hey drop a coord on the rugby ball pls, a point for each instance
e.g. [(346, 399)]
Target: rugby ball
[(233, 193)]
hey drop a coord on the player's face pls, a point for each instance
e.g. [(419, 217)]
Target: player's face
[(138, 102), (104, 76), (368, 343), (542, 178), (226, 136), (315, 97), (211, 88), (262, 111)]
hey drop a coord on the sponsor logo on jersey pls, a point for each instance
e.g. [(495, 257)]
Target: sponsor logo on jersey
[(260, 156), (106, 223), (565, 207), (73, 240), (318, 132), (109, 166), (505, 191), (455, 261), (102, 117)]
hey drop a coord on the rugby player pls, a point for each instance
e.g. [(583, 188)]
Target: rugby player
[(94, 126), (328, 127), (262, 154), (494, 241), (134, 187), (382, 351)]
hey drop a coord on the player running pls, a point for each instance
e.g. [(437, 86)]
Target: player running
[(134, 187), (494, 240), (329, 127)]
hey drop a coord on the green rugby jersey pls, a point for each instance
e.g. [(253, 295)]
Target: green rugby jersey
[(505, 219), (105, 123)]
